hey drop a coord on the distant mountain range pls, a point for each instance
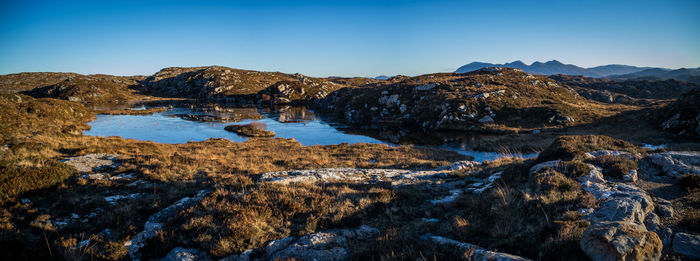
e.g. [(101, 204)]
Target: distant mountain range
[(613, 71)]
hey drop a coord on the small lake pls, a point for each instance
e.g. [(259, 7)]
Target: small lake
[(180, 125)]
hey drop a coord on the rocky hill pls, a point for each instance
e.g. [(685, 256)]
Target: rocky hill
[(683, 74), (25, 81), (624, 91), (556, 67), (234, 85), (683, 116), (89, 89), (487, 99)]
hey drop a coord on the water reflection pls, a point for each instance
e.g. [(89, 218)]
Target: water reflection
[(197, 122)]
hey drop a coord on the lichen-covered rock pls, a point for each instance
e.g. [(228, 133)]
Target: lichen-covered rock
[(334, 244), (92, 162), (155, 222), (478, 253), (620, 241), (676, 163), (185, 254)]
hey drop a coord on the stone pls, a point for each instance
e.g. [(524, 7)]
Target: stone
[(652, 222), (666, 236), (631, 176), (598, 153), (155, 222), (184, 254), (687, 244), (620, 241), (546, 164), (460, 165), (676, 163), (478, 253), (622, 209), (425, 87), (326, 245), (92, 162), (276, 245), (397, 177), (486, 119), (665, 211)]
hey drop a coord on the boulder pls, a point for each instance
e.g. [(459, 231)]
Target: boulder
[(676, 163), (624, 209), (652, 222), (620, 241), (478, 253), (687, 244), (93, 162), (325, 245), (184, 254)]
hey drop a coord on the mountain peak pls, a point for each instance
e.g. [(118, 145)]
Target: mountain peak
[(556, 67)]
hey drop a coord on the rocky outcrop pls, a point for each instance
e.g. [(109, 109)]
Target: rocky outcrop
[(238, 86), (623, 225), (90, 89), (331, 244), (620, 241), (672, 164), (687, 244), (397, 177), (185, 254), (156, 221), (93, 162), (683, 116), (474, 101), (476, 253), (624, 91)]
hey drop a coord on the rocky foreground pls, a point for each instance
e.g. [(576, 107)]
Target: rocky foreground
[(614, 201)]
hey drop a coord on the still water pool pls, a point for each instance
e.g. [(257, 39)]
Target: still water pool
[(178, 126)]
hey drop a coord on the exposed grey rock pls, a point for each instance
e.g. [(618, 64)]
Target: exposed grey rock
[(454, 194), (652, 222), (478, 254), (666, 236), (326, 245), (155, 222), (620, 241), (425, 87), (276, 245), (547, 164), (631, 176), (185, 254), (460, 165), (486, 119), (665, 209), (245, 256), (625, 154), (687, 244), (617, 228), (676, 163), (624, 209), (92, 162), (397, 177)]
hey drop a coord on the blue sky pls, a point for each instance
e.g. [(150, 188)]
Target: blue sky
[(343, 38)]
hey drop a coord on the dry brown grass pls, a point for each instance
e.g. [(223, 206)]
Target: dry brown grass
[(615, 166), (573, 147)]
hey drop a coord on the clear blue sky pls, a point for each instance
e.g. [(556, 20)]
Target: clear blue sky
[(345, 38)]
